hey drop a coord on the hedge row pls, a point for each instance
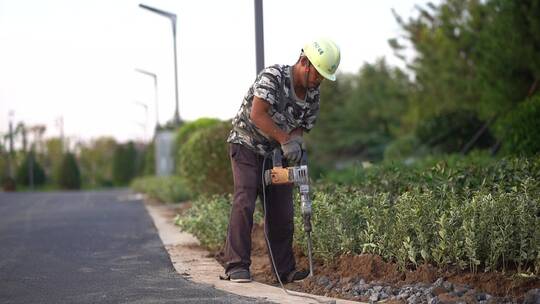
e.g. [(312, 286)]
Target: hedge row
[(469, 213), (167, 189)]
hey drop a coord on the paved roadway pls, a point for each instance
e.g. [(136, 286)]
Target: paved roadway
[(88, 247)]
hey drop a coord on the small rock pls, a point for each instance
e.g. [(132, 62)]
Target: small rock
[(433, 300), (428, 291), (377, 288), (439, 282), (448, 286), (400, 296), (481, 296), (413, 300), (532, 296), (374, 297), (362, 282), (360, 288), (324, 280), (460, 290)]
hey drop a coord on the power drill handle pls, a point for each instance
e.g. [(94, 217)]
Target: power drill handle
[(277, 158), (303, 160)]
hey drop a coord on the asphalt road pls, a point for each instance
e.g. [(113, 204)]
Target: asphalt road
[(88, 247)]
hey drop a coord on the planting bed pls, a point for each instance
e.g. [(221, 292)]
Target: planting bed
[(370, 279)]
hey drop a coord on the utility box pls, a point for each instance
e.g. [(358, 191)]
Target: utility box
[(164, 153)]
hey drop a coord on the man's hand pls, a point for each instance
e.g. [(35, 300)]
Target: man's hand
[(292, 149)]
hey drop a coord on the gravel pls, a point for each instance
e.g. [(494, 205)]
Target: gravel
[(438, 292)]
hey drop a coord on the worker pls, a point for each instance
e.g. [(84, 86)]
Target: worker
[(278, 108)]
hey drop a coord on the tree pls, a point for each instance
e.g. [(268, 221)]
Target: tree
[(53, 158), (474, 55), (360, 114), (125, 164), (30, 171), (444, 39), (69, 175), (96, 159), (507, 57)]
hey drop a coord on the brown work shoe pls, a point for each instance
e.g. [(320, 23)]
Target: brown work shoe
[(240, 276), (295, 276)]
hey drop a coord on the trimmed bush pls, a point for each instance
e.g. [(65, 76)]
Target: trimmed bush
[(69, 175), (208, 219), (185, 132), (478, 229), (205, 164), (521, 128), (166, 189), (23, 172), (472, 212)]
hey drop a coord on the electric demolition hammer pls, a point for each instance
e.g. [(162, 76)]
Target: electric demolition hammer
[(297, 175)]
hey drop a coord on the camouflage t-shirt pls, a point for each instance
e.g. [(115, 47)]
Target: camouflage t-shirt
[(274, 85)]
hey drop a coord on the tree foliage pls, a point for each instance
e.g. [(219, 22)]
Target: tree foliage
[(96, 159), (360, 114), (69, 175), (125, 164), (30, 171), (473, 55)]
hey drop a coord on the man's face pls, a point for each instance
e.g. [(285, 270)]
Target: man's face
[(314, 78)]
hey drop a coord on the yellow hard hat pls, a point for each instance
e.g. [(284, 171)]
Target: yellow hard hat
[(324, 54)]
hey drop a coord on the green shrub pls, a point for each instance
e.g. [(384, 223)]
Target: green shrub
[(124, 164), (473, 212), (464, 212), (204, 160), (149, 160), (520, 128), (69, 175), (208, 219), (166, 189), (449, 132), (186, 131), (23, 172)]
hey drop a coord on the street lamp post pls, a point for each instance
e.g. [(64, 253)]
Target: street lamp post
[(155, 91), (145, 106), (171, 17), (259, 36)]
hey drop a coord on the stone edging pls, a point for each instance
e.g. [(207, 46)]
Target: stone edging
[(195, 264)]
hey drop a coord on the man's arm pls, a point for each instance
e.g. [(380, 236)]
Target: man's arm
[(297, 132), (263, 121)]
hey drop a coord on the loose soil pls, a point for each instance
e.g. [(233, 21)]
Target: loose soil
[(373, 268)]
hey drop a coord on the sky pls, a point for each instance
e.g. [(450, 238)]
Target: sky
[(77, 60)]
